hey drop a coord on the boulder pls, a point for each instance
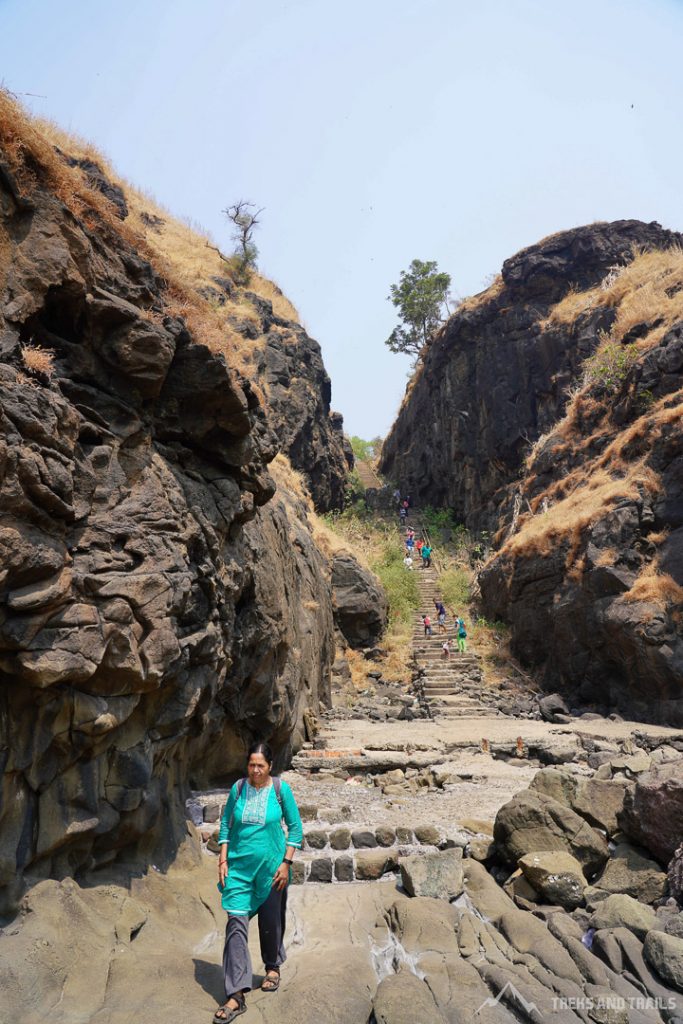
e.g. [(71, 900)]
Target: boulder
[(439, 874), (599, 801), (621, 911), (665, 954), (553, 705), (653, 812), (532, 822), (361, 607), (631, 873), (556, 876), (372, 864)]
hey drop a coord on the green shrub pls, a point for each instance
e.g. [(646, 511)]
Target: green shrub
[(609, 366), (454, 586), (399, 583)]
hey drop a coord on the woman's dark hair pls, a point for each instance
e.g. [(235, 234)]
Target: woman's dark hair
[(261, 748)]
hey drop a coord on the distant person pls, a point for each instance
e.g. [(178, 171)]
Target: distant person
[(426, 556), (427, 623), (418, 546), (409, 500), (405, 506), (410, 532), (446, 649), (402, 514), (441, 615), (409, 545), (408, 562), (397, 496), (462, 637), (253, 875)]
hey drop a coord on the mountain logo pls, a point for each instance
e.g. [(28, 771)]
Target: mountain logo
[(513, 993)]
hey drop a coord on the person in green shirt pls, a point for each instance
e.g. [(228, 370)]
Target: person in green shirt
[(253, 874)]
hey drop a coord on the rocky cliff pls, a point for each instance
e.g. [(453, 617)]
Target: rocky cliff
[(159, 606), (496, 377), (549, 412)]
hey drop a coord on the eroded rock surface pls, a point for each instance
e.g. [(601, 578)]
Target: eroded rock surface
[(157, 609)]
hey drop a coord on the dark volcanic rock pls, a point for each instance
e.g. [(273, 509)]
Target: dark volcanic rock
[(299, 394), (157, 608), (497, 376), (97, 179), (568, 560), (360, 602)]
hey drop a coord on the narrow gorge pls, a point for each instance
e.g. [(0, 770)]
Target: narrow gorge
[(498, 838)]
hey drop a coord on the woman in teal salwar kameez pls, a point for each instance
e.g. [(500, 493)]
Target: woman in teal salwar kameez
[(253, 874)]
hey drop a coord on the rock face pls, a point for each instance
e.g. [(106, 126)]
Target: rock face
[(587, 524), (496, 374), (360, 602), (290, 365), (157, 608)]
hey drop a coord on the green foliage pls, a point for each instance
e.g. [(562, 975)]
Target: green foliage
[(454, 585), (399, 583), (645, 400), (608, 367), (365, 451), (436, 519), (354, 496), (420, 298), (378, 544), (494, 624), (362, 450)]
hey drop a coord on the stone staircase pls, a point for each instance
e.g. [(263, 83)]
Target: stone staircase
[(450, 685), (335, 848)]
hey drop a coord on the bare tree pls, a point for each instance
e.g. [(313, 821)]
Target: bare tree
[(245, 217)]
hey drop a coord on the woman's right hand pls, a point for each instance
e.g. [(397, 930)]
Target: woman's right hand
[(222, 872)]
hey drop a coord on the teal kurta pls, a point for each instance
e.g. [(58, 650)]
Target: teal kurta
[(256, 843)]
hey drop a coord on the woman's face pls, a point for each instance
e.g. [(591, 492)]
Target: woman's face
[(258, 770)]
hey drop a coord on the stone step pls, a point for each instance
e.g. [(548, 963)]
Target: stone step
[(456, 700), (483, 712), (452, 690)]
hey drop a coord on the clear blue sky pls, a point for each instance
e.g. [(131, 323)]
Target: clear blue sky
[(373, 132)]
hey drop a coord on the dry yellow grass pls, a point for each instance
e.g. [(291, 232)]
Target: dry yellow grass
[(648, 289), (655, 587), (182, 254), (590, 494), (474, 301), (38, 360), (607, 557), (289, 479)]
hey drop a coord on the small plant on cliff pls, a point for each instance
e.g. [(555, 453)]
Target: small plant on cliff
[(421, 298), (38, 360), (245, 217), (608, 367)]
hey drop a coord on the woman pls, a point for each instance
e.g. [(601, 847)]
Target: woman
[(253, 874)]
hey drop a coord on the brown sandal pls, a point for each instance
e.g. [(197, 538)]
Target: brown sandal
[(224, 1014), (270, 984)]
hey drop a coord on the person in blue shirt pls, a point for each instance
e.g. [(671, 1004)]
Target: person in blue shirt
[(253, 874)]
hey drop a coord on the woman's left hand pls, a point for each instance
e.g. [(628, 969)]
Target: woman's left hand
[(281, 877)]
